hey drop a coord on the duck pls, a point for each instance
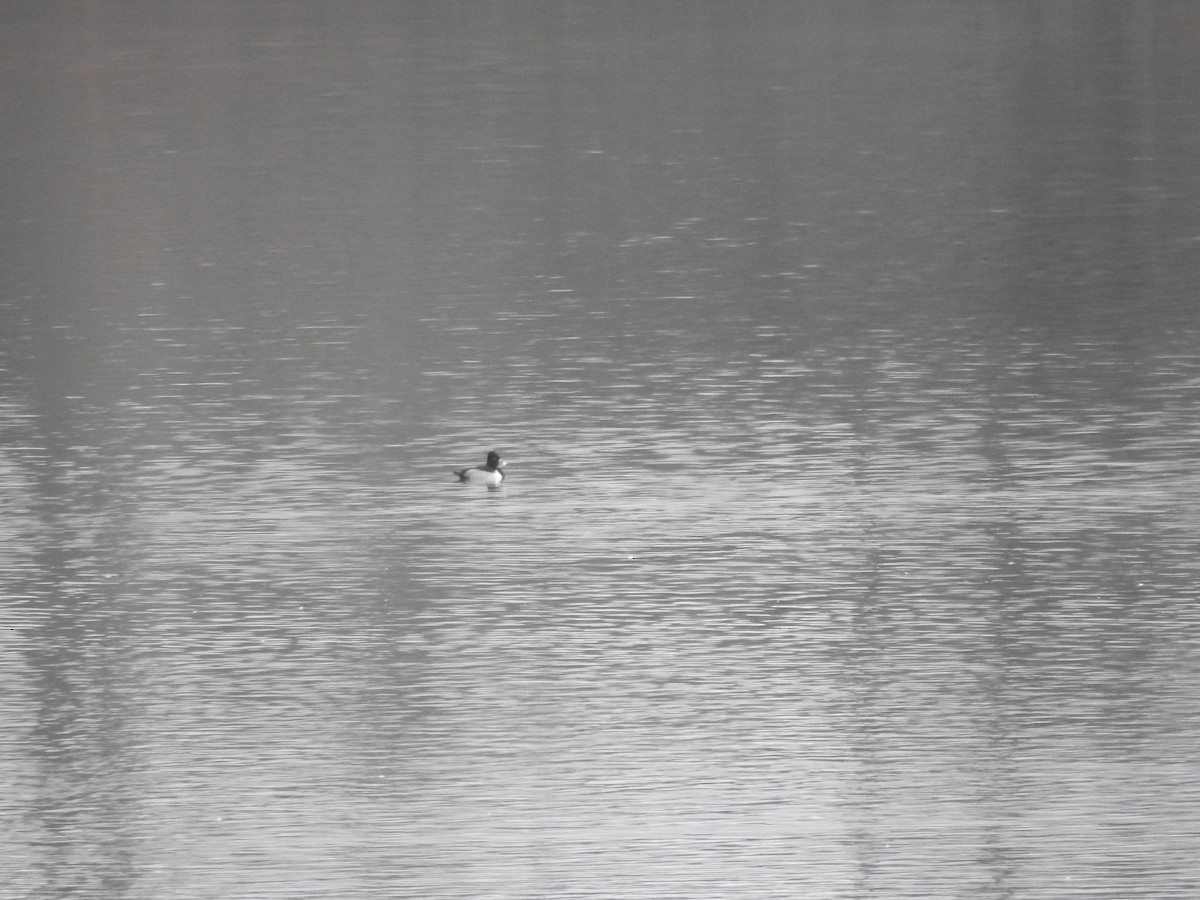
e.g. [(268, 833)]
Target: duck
[(491, 474)]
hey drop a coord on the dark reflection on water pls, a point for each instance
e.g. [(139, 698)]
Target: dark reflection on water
[(845, 360)]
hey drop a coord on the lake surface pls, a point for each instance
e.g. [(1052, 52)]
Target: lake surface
[(846, 358)]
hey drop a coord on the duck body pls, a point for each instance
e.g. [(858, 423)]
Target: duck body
[(489, 475)]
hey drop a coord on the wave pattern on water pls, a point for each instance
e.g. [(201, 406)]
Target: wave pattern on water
[(847, 370)]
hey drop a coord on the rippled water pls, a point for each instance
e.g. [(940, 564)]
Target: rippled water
[(849, 541)]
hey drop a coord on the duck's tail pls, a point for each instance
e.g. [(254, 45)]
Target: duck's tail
[(462, 474)]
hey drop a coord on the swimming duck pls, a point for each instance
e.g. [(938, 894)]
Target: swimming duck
[(491, 474)]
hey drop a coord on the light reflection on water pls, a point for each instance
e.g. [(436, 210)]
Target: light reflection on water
[(928, 637), (849, 543)]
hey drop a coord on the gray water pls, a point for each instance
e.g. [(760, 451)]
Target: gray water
[(847, 362)]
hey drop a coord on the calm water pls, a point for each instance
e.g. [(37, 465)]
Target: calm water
[(847, 362)]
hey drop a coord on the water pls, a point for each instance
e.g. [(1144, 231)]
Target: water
[(846, 364)]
